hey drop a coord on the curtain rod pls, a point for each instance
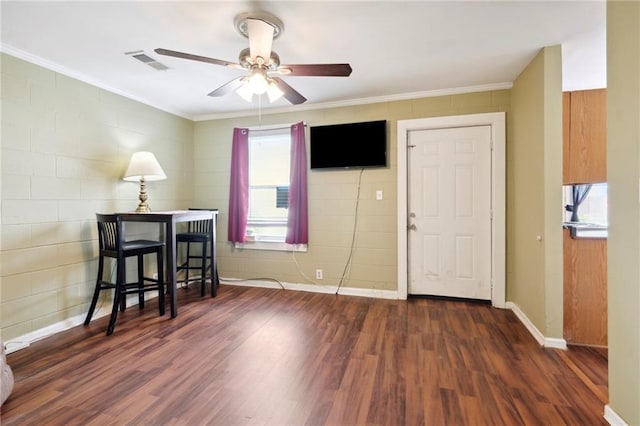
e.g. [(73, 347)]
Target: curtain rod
[(276, 127)]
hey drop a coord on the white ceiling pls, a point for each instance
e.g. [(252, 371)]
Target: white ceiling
[(397, 49)]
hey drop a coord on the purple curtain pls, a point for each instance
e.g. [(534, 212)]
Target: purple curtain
[(239, 187), (297, 221)]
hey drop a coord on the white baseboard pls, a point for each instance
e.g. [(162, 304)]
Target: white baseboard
[(25, 340), (547, 342), (612, 417), (346, 291)]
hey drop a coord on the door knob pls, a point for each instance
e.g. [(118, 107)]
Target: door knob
[(412, 227)]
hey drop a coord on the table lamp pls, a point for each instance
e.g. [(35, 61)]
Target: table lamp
[(143, 167)]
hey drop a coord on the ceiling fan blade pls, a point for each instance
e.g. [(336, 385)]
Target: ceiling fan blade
[(290, 93), (229, 87), (316, 70), (260, 39), (183, 55)]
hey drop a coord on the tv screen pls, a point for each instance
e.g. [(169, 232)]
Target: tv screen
[(352, 145)]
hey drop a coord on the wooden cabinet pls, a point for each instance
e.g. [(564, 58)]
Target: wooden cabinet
[(584, 136), (585, 290), (584, 151)]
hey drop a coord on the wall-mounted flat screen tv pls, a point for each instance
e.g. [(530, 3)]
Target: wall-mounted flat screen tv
[(351, 145)]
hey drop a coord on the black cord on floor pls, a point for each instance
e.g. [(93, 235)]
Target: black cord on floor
[(260, 279), (353, 235)]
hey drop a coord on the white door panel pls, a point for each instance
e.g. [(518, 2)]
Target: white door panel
[(449, 205)]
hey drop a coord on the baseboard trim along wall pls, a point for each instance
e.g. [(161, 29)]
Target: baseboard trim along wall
[(547, 342), (25, 340), (612, 417), (345, 291)]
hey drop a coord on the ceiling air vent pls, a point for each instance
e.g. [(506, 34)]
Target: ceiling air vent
[(142, 57)]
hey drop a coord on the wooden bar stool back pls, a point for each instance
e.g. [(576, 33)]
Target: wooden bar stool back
[(111, 244), (199, 233)]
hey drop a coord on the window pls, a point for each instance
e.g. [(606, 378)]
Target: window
[(269, 159), (268, 189), (589, 218), (592, 209)]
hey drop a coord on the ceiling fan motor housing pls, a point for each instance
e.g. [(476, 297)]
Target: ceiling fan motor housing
[(247, 61)]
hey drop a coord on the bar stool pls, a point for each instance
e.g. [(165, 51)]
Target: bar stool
[(198, 232), (111, 244)]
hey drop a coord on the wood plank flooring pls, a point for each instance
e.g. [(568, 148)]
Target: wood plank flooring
[(255, 356)]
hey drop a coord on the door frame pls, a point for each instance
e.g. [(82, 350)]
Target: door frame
[(496, 121)]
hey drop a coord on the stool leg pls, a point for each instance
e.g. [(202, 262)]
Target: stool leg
[(188, 262), (117, 296), (121, 281), (141, 281), (114, 311), (160, 282), (203, 269), (96, 292)]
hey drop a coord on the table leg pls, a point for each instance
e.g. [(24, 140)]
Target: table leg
[(171, 267), (214, 261)]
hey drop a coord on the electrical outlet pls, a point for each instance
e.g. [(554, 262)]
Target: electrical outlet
[(379, 194), (155, 275), (318, 274)]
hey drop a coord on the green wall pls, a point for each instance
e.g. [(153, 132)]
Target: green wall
[(623, 175), (332, 196), (534, 193), (65, 145)]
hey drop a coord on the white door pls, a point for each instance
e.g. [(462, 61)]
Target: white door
[(449, 209)]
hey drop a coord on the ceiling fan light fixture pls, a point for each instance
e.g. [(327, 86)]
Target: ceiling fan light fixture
[(245, 92), (258, 81), (273, 92)]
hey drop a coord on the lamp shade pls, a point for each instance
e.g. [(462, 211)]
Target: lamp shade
[(143, 165), (258, 81), (245, 92), (274, 92)]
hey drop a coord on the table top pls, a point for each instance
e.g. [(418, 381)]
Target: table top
[(168, 216)]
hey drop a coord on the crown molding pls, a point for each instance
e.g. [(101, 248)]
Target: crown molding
[(34, 59), (53, 66), (361, 101)]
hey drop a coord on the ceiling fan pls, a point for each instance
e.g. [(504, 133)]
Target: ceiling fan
[(262, 63)]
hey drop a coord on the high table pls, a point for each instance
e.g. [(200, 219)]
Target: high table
[(170, 219)]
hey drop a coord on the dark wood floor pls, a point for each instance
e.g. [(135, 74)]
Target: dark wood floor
[(272, 357)]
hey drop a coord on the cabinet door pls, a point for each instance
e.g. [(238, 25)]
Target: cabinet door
[(585, 290), (586, 154), (566, 138)]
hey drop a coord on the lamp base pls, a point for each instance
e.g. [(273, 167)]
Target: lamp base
[(143, 207)]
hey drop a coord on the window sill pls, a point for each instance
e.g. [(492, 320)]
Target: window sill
[(586, 230), (271, 245)]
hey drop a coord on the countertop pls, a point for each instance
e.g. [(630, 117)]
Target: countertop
[(586, 230)]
